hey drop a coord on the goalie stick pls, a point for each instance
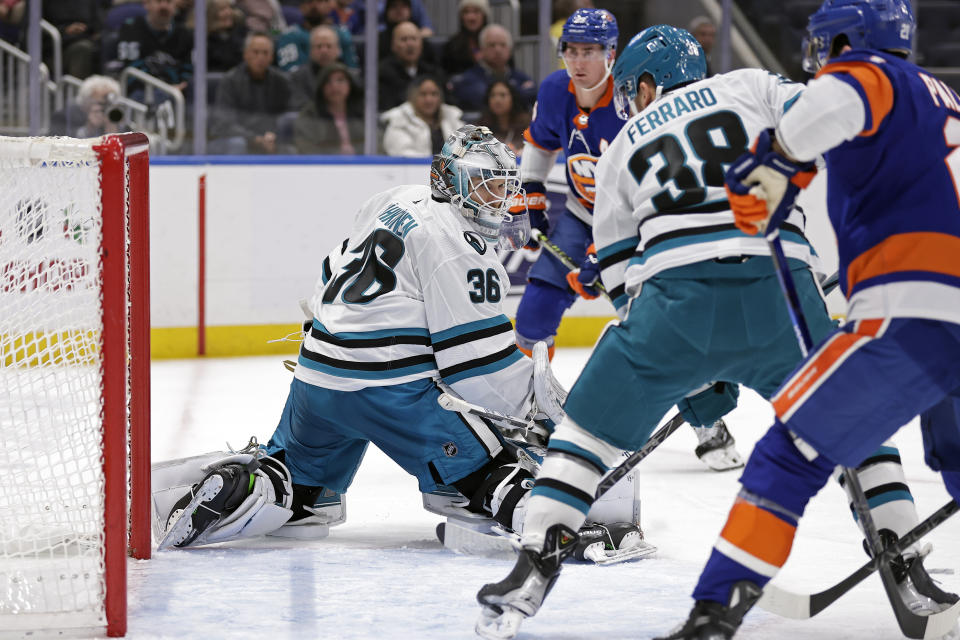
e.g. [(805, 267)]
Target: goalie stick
[(563, 257), (452, 403), (801, 605), (911, 624)]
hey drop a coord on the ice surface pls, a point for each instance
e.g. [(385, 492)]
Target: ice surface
[(383, 574)]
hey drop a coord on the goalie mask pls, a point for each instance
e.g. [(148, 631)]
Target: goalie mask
[(887, 25), (478, 174)]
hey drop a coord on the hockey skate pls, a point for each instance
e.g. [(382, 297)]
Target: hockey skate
[(920, 593), (612, 543), (714, 621), (506, 603), (199, 509), (717, 448)]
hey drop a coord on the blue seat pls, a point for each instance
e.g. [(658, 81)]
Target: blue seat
[(119, 14)]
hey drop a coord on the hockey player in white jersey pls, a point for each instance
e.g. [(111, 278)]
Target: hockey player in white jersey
[(410, 302), (703, 302)]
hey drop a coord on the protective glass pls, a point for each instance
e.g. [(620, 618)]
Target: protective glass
[(623, 96), (814, 53)]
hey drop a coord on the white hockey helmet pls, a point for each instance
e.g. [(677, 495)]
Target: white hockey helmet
[(478, 174)]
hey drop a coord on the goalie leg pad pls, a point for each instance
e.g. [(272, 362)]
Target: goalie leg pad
[(241, 496)]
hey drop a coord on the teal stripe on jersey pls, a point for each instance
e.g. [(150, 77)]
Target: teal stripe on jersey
[(382, 333), (621, 245), (470, 327), (560, 496), (483, 370), (366, 375), (686, 241)]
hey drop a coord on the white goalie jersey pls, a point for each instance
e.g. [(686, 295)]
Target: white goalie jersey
[(661, 201), (415, 293)]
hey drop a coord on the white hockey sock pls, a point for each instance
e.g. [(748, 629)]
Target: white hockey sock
[(567, 481), (883, 482)]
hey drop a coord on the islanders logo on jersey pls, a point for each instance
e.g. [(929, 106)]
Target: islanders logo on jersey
[(581, 168)]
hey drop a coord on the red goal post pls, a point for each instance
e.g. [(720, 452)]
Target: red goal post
[(75, 364)]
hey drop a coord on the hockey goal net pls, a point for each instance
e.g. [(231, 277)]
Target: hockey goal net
[(74, 371)]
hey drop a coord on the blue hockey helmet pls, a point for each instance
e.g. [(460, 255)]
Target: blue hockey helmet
[(478, 175), (670, 55), (596, 26), (886, 25)]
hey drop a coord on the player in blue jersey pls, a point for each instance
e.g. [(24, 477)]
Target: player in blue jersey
[(702, 297), (889, 132), (575, 116)]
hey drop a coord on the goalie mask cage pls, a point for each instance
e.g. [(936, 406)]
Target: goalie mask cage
[(74, 369)]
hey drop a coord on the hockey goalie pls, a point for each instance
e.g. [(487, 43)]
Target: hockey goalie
[(407, 312)]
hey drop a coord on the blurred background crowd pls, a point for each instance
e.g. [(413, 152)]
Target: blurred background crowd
[(287, 76)]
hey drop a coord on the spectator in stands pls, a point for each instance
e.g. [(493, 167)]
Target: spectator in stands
[(462, 50), (332, 123), (250, 98), (78, 22), (703, 29), (263, 16), (342, 13), (419, 126), (324, 50), (225, 35), (418, 16), (396, 12), (504, 115), (404, 63), (496, 48), (101, 115), (294, 44), (184, 14), (11, 13), (154, 44)]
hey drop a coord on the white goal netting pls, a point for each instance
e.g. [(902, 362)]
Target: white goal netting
[(52, 488)]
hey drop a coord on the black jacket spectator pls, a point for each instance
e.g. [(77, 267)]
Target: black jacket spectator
[(316, 130), (248, 104), (163, 54), (404, 63), (78, 22), (462, 50)]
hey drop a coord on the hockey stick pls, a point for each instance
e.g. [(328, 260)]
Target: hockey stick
[(564, 258), (452, 403), (634, 458), (801, 605), (911, 624)]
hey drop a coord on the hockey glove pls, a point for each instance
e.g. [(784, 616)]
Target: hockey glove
[(762, 186), (585, 279), (535, 204)]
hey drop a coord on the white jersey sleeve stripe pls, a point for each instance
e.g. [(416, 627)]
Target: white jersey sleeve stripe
[(470, 332)]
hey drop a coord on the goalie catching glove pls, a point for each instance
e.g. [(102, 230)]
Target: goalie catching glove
[(243, 495), (762, 186), (532, 200)]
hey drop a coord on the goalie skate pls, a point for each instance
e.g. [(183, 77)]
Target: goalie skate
[(612, 543), (202, 507), (717, 448), (506, 603)]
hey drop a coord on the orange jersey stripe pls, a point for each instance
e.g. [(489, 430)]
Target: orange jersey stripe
[(529, 138), (815, 368), (915, 251), (876, 85), (759, 533)]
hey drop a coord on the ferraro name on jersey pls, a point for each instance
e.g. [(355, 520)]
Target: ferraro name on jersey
[(661, 201), (414, 293), (558, 124)]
